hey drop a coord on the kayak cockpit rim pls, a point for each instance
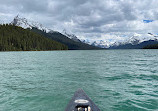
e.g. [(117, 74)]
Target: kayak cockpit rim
[(81, 102)]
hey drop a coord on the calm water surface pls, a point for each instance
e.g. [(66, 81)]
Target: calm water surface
[(116, 80)]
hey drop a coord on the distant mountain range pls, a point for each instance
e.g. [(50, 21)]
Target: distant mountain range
[(24, 23), (137, 41), (99, 43), (135, 46), (69, 40)]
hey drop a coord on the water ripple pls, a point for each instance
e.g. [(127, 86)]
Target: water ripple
[(116, 80)]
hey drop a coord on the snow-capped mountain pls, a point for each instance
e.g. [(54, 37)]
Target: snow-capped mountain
[(137, 39), (101, 43), (24, 23), (98, 43), (71, 36), (133, 40)]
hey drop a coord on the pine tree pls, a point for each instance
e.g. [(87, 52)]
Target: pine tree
[(14, 38)]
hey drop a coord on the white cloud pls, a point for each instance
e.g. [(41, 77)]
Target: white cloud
[(92, 19)]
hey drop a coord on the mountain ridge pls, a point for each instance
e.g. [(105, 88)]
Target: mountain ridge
[(136, 39), (132, 41), (24, 23), (67, 39), (72, 45)]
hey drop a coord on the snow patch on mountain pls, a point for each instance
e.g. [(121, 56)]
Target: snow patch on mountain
[(103, 43), (134, 40), (24, 23), (98, 43), (71, 36), (137, 39)]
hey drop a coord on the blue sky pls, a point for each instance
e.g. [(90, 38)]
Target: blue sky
[(147, 21)]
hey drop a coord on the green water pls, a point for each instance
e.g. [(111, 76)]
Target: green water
[(116, 80)]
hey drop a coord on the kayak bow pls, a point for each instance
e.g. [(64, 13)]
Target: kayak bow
[(81, 102)]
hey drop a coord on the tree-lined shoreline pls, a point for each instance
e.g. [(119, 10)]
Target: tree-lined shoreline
[(14, 38)]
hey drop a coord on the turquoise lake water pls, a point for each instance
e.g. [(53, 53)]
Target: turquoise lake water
[(116, 80)]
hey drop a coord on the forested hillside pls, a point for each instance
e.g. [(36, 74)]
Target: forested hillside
[(155, 46), (72, 45), (14, 38)]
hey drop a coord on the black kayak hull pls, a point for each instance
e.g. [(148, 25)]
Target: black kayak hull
[(81, 95)]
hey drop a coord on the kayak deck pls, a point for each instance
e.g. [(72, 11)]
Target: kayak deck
[(81, 102)]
